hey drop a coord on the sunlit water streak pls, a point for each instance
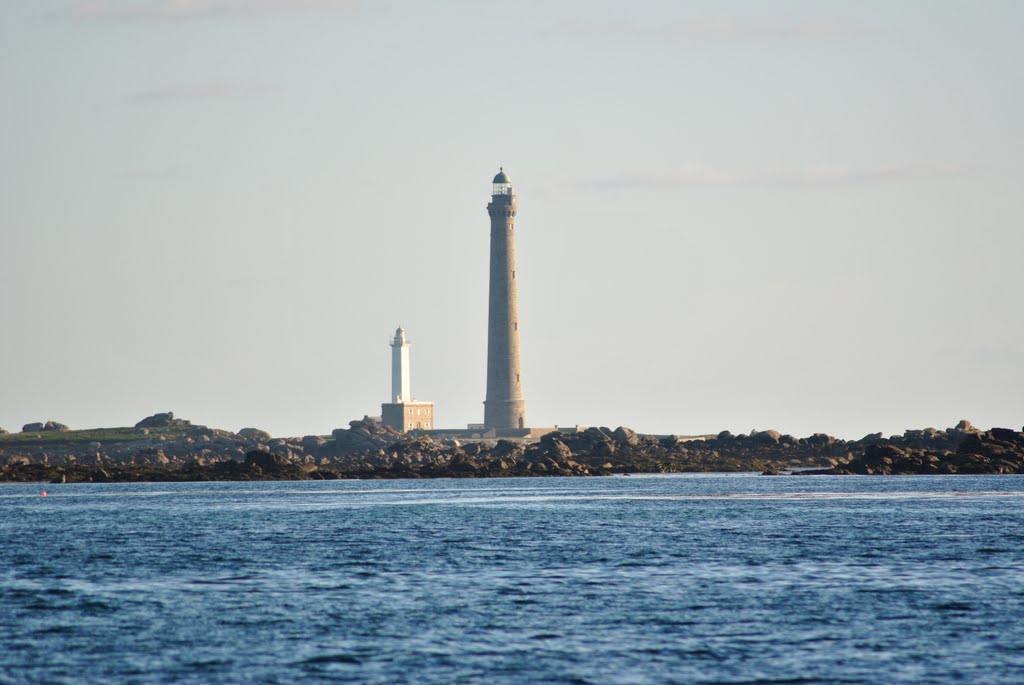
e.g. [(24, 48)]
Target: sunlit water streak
[(600, 580)]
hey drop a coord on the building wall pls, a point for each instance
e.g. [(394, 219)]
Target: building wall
[(407, 416)]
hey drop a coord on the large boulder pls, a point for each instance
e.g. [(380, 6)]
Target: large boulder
[(767, 438), (872, 439), (1006, 435), (312, 442), (557, 449), (3, 432), (820, 440), (366, 426), (55, 426), (625, 435), (255, 434), (506, 449), (162, 420)]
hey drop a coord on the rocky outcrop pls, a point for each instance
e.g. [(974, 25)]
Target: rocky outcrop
[(49, 426), (963, 449), (368, 450), (164, 420), (362, 435)]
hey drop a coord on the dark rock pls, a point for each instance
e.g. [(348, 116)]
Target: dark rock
[(32, 427), (560, 450), (1006, 434), (821, 440), (767, 438), (265, 460), (312, 442), (871, 439), (625, 435)]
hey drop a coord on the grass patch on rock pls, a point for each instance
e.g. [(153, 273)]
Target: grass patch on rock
[(101, 435)]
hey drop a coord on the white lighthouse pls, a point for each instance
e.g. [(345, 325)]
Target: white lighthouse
[(400, 368), (403, 413)]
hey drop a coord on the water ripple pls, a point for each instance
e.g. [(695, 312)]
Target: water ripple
[(619, 580)]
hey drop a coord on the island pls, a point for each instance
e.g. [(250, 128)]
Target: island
[(164, 448)]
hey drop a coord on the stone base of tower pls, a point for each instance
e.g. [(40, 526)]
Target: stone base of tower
[(505, 414)]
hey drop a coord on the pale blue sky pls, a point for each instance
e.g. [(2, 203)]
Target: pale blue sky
[(795, 215)]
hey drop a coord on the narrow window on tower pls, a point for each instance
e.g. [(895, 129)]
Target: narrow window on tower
[(517, 378), (516, 324), (513, 275)]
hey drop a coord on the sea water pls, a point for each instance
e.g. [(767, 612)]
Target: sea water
[(666, 579)]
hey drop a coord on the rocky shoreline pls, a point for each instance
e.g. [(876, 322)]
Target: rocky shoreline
[(162, 448)]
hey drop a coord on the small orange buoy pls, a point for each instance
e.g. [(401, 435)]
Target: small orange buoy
[(44, 493)]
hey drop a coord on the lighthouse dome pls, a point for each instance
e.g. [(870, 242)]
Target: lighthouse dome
[(502, 177)]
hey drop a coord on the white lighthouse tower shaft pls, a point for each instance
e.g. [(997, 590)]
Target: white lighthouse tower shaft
[(400, 385), (504, 407)]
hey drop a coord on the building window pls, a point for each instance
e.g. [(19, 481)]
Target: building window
[(517, 378), (516, 324), (513, 275)]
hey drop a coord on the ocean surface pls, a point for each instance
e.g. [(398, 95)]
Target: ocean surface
[(663, 579)]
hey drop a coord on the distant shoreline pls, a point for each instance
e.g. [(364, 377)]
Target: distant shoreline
[(162, 448)]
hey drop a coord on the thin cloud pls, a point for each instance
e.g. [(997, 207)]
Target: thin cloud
[(169, 11), (729, 28), (203, 92), (703, 177)]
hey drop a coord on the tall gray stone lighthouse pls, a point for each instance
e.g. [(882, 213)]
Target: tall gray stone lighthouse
[(504, 408)]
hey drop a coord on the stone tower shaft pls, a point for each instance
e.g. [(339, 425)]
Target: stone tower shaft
[(504, 407)]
